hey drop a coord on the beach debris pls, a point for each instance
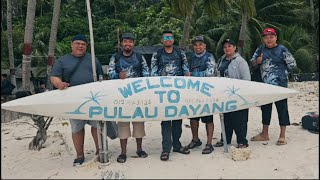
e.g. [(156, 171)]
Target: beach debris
[(265, 143), (240, 154), (112, 175)]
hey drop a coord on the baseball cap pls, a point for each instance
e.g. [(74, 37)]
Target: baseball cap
[(80, 37), (198, 39), (269, 31), (229, 41), (128, 36)]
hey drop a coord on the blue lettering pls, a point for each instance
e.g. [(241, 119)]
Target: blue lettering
[(170, 99), (205, 109), (110, 116), (94, 110), (126, 91), (151, 86), (230, 107), (173, 113), (122, 116), (215, 106), (193, 85), (162, 82), (136, 86), (151, 116), (183, 111), (137, 112), (183, 83), (194, 110), (204, 89), (161, 93)]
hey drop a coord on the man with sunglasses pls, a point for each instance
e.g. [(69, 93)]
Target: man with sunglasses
[(170, 61)]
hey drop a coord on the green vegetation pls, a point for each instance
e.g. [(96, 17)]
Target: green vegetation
[(296, 21)]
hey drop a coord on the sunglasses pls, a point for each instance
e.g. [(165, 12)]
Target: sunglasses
[(167, 38)]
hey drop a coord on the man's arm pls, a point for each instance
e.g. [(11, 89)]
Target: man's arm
[(154, 65), (289, 60), (185, 64), (257, 57), (145, 68), (112, 73), (55, 75)]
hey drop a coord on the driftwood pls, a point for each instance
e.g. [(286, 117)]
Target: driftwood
[(41, 136)]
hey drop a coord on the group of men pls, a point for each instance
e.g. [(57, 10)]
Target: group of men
[(274, 61)]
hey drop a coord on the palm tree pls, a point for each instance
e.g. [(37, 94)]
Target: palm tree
[(10, 42), (27, 49), (53, 38)]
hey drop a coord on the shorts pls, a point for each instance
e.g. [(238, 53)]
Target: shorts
[(125, 132), (78, 125), (204, 119)]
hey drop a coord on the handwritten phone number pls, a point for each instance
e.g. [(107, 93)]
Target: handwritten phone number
[(132, 102)]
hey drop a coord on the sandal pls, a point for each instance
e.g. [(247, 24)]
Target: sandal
[(78, 161), (164, 156), (122, 158), (194, 143), (182, 150), (242, 145), (142, 154), (281, 141), (208, 149), (259, 137), (218, 144)]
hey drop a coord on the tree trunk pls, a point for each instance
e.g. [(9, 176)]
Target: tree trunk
[(27, 48), (186, 28), (10, 42), (242, 35), (53, 39)]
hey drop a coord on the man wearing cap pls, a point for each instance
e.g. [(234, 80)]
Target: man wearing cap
[(232, 65), (129, 64), (72, 70), (170, 61), (202, 65), (275, 62)]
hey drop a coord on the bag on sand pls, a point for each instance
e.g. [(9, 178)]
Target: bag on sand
[(112, 129), (311, 122)]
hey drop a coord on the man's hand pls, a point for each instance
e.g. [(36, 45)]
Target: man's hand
[(63, 85), (122, 75), (188, 74), (259, 59)]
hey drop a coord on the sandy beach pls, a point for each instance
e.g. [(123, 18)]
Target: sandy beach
[(299, 159)]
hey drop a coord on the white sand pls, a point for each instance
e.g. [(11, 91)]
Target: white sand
[(297, 159)]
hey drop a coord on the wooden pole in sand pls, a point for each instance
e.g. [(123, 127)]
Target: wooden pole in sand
[(101, 129)]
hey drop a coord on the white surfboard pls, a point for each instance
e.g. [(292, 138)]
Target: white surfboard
[(150, 98)]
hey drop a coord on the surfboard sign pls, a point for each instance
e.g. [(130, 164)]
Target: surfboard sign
[(150, 98)]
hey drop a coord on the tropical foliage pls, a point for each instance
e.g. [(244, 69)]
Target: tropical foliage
[(297, 22)]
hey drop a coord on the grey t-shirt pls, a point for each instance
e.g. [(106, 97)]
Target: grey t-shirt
[(65, 65)]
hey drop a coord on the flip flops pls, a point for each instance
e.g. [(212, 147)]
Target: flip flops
[(122, 158), (194, 143), (182, 150), (259, 137), (164, 156), (78, 161), (281, 141), (142, 154), (242, 145), (208, 149)]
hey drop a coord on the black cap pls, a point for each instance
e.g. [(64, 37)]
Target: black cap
[(167, 32), (198, 39), (128, 36), (229, 41), (80, 37)]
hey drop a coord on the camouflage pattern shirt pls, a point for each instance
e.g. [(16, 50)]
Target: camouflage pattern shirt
[(276, 64)]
